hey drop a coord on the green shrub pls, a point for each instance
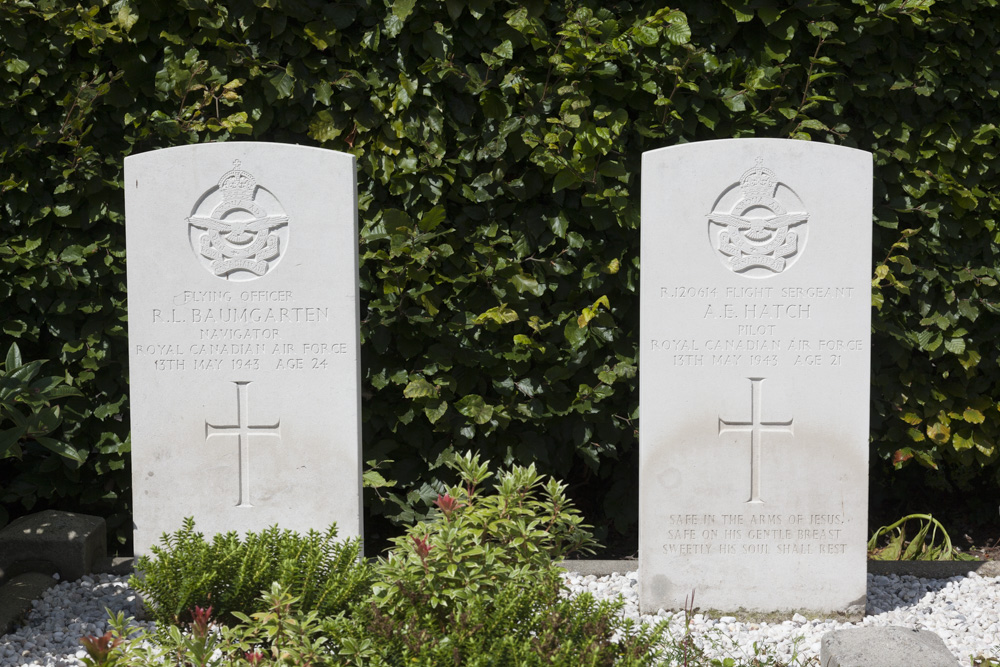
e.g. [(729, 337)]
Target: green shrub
[(519, 626), (476, 544), (528, 622), (229, 574)]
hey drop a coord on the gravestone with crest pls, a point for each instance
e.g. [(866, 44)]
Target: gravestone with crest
[(754, 384), (243, 339)]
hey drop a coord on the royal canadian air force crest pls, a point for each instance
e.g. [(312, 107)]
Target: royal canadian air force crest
[(238, 229), (758, 226)]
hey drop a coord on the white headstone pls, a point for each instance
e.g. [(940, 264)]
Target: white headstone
[(243, 339), (754, 375)]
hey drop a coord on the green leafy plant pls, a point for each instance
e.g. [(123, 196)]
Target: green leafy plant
[(27, 409), (31, 430), (534, 625), (477, 583), (100, 649), (229, 573), (529, 624), (200, 644), (278, 635), (477, 543), (922, 546), (281, 634)]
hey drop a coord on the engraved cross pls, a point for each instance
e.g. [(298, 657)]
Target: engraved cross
[(755, 427), (243, 430)]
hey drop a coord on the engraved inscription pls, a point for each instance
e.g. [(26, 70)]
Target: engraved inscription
[(757, 217), (238, 230), (755, 534), (755, 427), (758, 327), (224, 330), (243, 430)]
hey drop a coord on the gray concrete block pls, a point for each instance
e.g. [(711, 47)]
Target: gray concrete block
[(884, 647), (16, 596), (52, 541)]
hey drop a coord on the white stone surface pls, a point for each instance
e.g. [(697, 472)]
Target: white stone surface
[(754, 375), (243, 339)]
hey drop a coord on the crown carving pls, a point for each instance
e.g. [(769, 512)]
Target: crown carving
[(237, 184), (758, 183)]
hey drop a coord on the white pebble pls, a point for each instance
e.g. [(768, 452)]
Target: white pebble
[(964, 611)]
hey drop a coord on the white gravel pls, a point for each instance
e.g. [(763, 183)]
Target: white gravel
[(963, 611)]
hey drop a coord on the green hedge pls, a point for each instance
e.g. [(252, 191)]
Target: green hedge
[(498, 145)]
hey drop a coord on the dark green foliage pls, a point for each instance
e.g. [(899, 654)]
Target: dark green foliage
[(231, 573), (29, 419), (26, 408), (498, 145)]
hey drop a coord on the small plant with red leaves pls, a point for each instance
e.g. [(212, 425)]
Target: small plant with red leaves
[(201, 642), (446, 504), (99, 648), (422, 549)]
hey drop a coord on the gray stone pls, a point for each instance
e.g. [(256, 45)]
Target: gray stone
[(884, 647), (755, 310), (16, 596), (935, 569), (52, 541), (243, 339), (599, 568)]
